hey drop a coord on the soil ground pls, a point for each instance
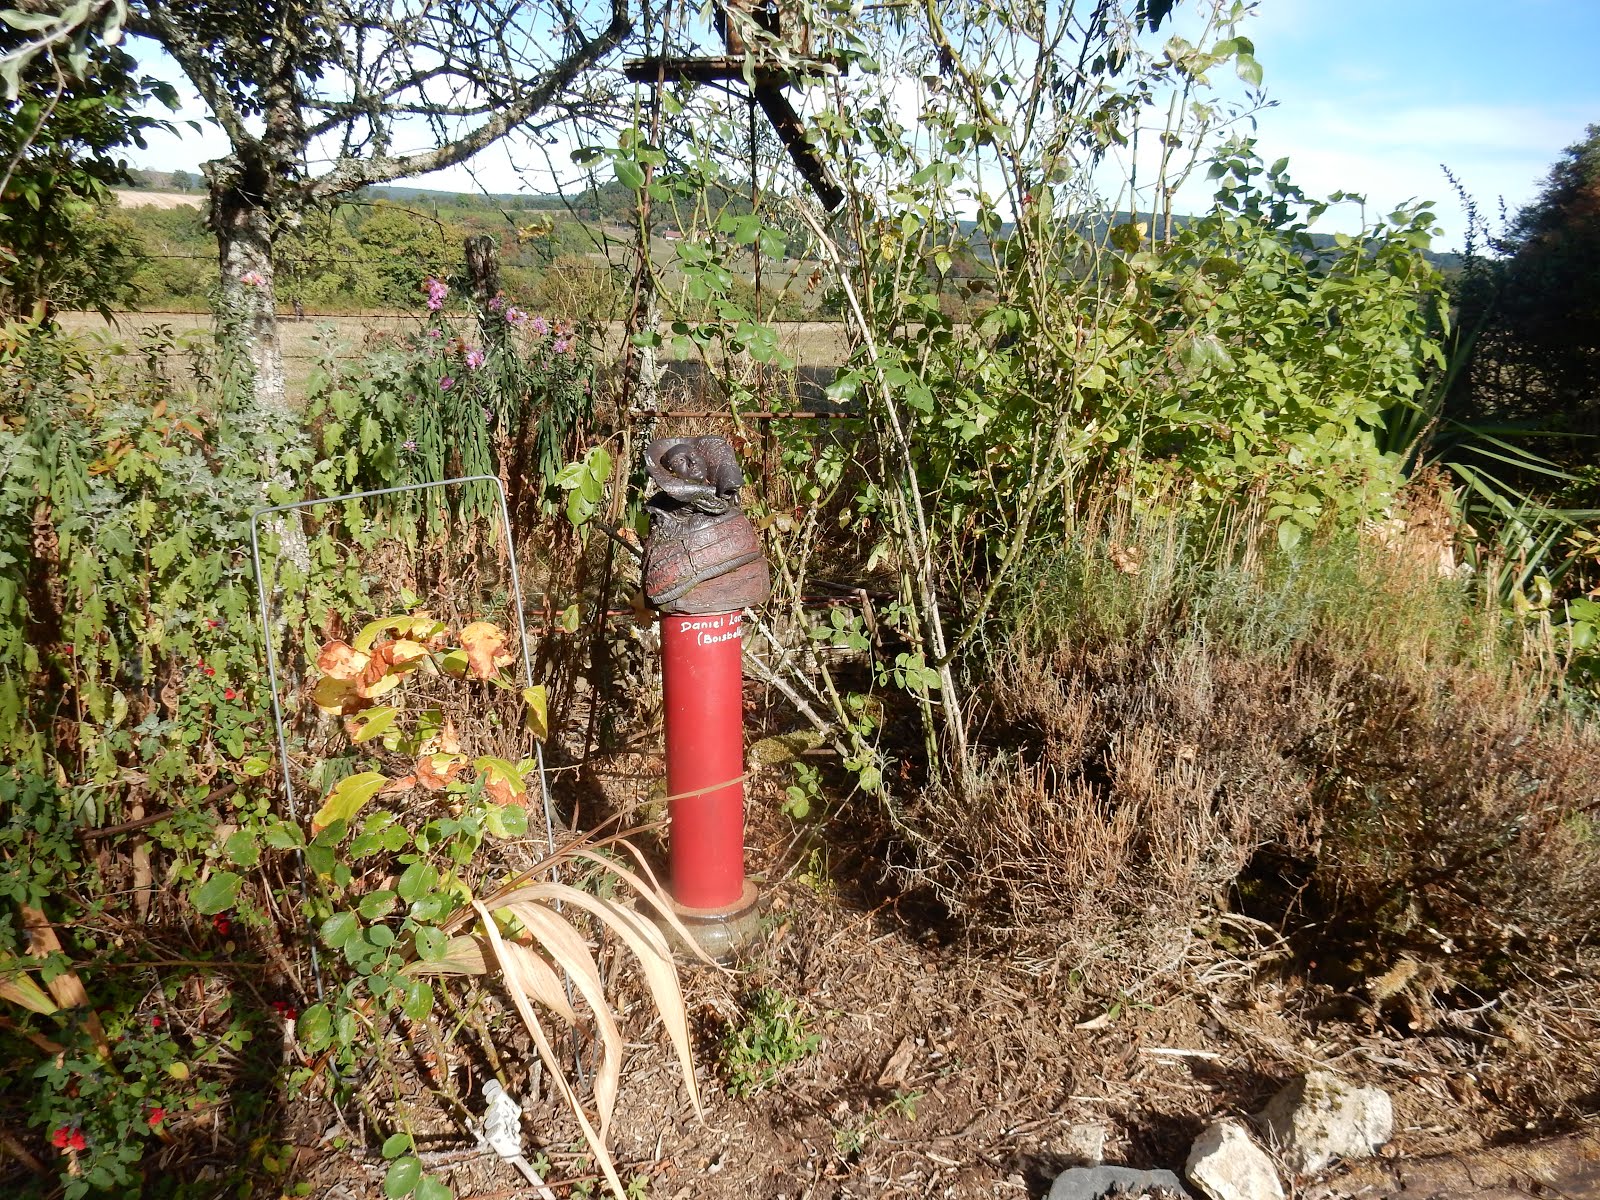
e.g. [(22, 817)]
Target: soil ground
[(947, 1069)]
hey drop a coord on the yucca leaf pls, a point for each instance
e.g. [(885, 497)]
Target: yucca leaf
[(655, 958), (519, 998)]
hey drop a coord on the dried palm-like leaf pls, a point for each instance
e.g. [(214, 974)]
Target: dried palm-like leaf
[(648, 946), (569, 951), (536, 1030), (541, 983)]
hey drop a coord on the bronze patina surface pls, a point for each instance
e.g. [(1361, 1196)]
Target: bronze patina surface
[(703, 555)]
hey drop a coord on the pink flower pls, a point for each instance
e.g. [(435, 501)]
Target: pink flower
[(437, 290), (541, 326), (435, 334), (474, 359), (253, 279), (446, 383), (498, 302), (515, 316), (561, 345)]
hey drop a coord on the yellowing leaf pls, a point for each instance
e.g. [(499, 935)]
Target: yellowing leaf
[(337, 697), (346, 798), (419, 626), (444, 740), (389, 662), (537, 717), (502, 782), (484, 644), (21, 989), (381, 685), (370, 724)]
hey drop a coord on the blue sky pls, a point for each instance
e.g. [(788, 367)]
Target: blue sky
[(1372, 96)]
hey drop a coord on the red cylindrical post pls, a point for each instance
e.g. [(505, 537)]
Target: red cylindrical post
[(703, 706)]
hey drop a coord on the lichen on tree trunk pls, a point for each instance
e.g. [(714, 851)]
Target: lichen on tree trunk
[(246, 311)]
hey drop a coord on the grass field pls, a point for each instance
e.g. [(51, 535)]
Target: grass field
[(813, 344)]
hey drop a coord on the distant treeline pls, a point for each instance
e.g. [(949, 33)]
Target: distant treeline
[(559, 254)]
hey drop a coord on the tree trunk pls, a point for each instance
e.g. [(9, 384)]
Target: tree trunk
[(247, 315)]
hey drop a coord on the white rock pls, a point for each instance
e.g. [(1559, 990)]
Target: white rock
[(1225, 1164), (1320, 1117), (1086, 1144)]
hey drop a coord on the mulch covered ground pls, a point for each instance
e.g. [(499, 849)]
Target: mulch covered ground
[(947, 1068)]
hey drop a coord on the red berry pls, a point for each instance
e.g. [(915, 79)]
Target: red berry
[(76, 1141), (208, 671), (157, 1115), (155, 1022), (59, 1137), (230, 694)]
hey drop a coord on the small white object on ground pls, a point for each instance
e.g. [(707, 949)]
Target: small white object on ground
[(1225, 1164), (501, 1130)]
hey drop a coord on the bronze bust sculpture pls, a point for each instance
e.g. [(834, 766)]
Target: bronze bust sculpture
[(702, 555)]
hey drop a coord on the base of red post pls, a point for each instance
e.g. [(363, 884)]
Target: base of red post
[(720, 933)]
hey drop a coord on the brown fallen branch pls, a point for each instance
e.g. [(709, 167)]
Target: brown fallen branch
[(105, 831)]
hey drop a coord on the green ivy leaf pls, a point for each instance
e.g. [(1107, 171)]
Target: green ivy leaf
[(216, 894), (340, 928), (403, 1177)]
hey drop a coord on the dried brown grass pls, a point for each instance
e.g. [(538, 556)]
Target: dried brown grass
[(1344, 741)]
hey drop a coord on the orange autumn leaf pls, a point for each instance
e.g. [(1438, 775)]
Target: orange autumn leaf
[(502, 782), (485, 644), (446, 741), (435, 771), (389, 661), (338, 661)]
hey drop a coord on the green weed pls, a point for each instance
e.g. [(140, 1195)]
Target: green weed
[(771, 1036)]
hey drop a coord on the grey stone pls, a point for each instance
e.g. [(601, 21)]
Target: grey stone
[(1225, 1164), (1092, 1183), (1320, 1117), (1086, 1144)]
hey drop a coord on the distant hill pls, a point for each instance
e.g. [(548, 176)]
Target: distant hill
[(610, 202)]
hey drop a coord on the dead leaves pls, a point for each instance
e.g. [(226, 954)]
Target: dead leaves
[(355, 674), (550, 947), (485, 646), (374, 665)]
